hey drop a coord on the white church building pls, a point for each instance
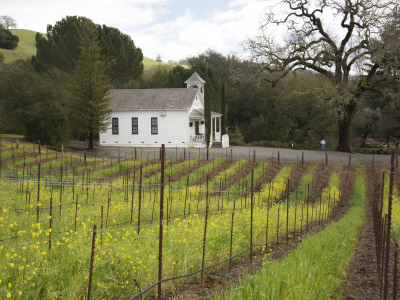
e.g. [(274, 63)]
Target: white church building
[(151, 117)]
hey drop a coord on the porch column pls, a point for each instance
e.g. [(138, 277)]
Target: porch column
[(215, 128), (220, 129), (212, 129)]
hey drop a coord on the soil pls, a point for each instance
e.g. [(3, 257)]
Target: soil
[(221, 278), (362, 278)]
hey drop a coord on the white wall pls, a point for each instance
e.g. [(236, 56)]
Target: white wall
[(173, 130)]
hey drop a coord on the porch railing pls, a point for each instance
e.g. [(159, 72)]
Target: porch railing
[(198, 139)]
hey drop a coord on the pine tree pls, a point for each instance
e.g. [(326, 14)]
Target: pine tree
[(90, 85)]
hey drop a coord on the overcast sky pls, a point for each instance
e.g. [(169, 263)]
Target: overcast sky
[(174, 29)]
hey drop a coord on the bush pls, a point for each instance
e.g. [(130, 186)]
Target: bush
[(8, 40), (48, 123), (236, 137)]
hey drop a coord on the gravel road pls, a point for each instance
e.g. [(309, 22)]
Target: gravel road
[(244, 152)]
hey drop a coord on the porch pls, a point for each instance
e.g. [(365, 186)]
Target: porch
[(197, 128)]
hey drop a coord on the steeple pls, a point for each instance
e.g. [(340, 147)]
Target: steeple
[(196, 81)]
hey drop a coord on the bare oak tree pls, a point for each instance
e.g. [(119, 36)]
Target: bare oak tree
[(8, 22), (329, 37)]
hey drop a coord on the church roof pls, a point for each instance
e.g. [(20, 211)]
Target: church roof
[(151, 99), (195, 78)]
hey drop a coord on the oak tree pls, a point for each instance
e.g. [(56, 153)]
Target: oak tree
[(330, 37)]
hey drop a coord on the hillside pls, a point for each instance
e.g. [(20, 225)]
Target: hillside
[(26, 48)]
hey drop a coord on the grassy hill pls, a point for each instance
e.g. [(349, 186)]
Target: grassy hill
[(26, 48)]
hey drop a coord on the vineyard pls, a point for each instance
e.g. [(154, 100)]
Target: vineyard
[(80, 226)]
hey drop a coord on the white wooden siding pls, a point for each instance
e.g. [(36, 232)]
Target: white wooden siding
[(173, 129)]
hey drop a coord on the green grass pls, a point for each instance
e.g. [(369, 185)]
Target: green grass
[(26, 46), (316, 268)]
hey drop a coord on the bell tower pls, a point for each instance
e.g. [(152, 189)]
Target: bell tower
[(196, 81)]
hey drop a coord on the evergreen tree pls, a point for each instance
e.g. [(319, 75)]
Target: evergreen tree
[(61, 46), (223, 109), (90, 86)]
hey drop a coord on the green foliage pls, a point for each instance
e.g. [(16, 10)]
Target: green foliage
[(178, 75), (223, 109), (90, 85), (1, 58), (8, 40), (236, 137), (61, 48), (48, 122), (23, 93), (123, 60), (157, 77)]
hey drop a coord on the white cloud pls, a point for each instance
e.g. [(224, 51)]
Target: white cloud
[(224, 31), (154, 25)]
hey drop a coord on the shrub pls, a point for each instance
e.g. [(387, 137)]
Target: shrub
[(48, 123), (236, 137), (8, 40)]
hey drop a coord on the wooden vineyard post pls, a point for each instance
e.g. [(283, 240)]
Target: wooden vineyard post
[(0, 158), (204, 241), (160, 237), (38, 195), (108, 207), (61, 186), (295, 218), (266, 229), (76, 211), (186, 195), (277, 230), (101, 225), (133, 194), (50, 220), (231, 243), (389, 224), (251, 218), (308, 200), (320, 208), (91, 263), (287, 212), (396, 256), (140, 199)]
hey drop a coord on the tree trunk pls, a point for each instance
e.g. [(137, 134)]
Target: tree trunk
[(91, 140), (344, 124)]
